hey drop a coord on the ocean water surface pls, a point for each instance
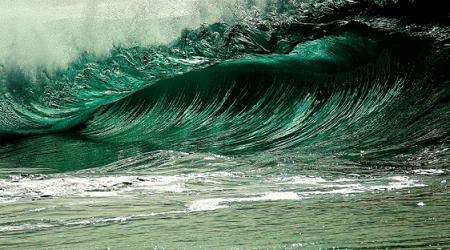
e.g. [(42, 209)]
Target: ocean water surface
[(239, 124)]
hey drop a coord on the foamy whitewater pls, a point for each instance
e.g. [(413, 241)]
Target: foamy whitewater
[(239, 124)]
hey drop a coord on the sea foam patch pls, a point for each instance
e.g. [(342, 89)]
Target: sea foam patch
[(216, 203), (18, 188), (316, 185)]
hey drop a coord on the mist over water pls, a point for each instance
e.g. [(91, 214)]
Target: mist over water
[(51, 34), (245, 124)]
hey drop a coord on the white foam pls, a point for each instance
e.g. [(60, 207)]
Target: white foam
[(215, 203), (18, 188), (24, 227), (430, 171), (303, 180), (341, 186), (24, 188)]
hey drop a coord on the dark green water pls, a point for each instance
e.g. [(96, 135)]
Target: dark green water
[(227, 125)]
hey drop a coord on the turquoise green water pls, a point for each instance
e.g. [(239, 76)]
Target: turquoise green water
[(225, 125)]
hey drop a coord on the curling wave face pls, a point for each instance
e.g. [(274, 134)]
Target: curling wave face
[(333, 77)]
